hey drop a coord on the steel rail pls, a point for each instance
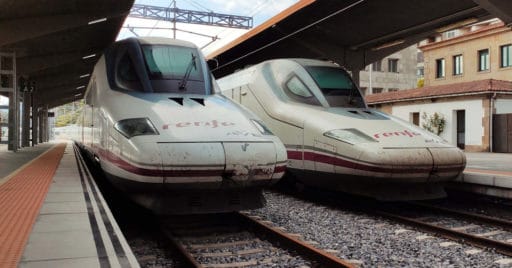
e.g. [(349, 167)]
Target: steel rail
[(264, 232), (324, 258), (468, 215), (461, 237), (189, 258)]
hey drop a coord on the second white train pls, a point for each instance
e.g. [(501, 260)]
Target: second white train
[(334, 141)]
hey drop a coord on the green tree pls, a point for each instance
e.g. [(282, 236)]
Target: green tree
[(434, 123)]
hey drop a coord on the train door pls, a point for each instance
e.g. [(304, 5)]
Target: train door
[(324, 157), (236, 94), (318, 154)]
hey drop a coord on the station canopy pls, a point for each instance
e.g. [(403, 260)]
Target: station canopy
[(352, 33), (53, 39)]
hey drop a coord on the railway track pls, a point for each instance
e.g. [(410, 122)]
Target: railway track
[(241, 240), (464, 227), (461, 226)]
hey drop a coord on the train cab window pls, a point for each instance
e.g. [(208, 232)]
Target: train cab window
[(298, 91), (174, 69), (337, 86), (172, 62)]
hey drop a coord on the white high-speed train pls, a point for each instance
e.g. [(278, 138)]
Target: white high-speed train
[(334, 141), (161, 132)]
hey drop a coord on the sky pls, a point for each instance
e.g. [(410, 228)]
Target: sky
[(260, 10)]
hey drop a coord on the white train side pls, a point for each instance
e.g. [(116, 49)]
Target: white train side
[(334, 141), (160, 131)]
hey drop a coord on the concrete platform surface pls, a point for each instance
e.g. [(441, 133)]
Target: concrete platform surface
[(488, 174), (489, 161), (75, 227), (10, 161), (52, 213)]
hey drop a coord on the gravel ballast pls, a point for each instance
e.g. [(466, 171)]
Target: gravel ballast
[(371, 241)]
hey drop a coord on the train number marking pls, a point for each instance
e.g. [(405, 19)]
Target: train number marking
[(243, 133), (244, 146)]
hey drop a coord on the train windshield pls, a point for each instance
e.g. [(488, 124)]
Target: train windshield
[(336, 86), (172, 62), (174, 69)]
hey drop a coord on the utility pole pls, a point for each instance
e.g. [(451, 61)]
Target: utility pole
[(174, 21)]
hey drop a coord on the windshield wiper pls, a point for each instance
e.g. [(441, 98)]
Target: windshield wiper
[(183, 83)]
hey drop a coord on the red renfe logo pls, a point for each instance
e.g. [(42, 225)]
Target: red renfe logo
[(406, 133), (212, 124)]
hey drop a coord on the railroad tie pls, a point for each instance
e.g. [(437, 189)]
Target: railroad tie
[(465, 227)]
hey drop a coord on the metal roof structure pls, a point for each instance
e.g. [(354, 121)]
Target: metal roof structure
[(353, 33), (191, 16), (51, 38)]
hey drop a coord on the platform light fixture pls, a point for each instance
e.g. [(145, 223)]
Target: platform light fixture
[(78, 95), (97, 21), (89, 56), (80, 87), (389, 44), (84, 75)]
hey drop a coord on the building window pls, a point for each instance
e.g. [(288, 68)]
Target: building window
[(377, 90), (419, 57), (483, 60), (415, 117), (440, 68), (421, 72), (393, 65), (450, 34), (506, 56), (377, 66), (392, 89), (457, 64)]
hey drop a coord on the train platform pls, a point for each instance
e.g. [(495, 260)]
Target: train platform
[(487, 173), (52, 213)]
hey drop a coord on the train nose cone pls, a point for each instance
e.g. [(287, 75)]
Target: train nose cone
[(400, 165), (414, 165), (449, 163), (213, 165)]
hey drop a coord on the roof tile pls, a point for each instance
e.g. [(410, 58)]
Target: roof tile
[(429, 92)]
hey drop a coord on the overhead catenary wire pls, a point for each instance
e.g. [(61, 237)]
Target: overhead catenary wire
[(292, 34), (158, 21), (256, 10)]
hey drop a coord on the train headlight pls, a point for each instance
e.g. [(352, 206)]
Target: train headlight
[(349, 135), (261, 127), (135, 127)]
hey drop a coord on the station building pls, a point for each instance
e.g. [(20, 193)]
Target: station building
[(395, 72), (468, 74)]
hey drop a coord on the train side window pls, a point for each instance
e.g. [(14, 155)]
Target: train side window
[(126, 70), (126, 74), (297, 90)]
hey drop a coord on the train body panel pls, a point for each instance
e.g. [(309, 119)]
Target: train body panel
[(333, 139), (159, 133)]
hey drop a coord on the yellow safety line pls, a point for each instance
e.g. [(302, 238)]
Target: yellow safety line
[(8, 177)]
